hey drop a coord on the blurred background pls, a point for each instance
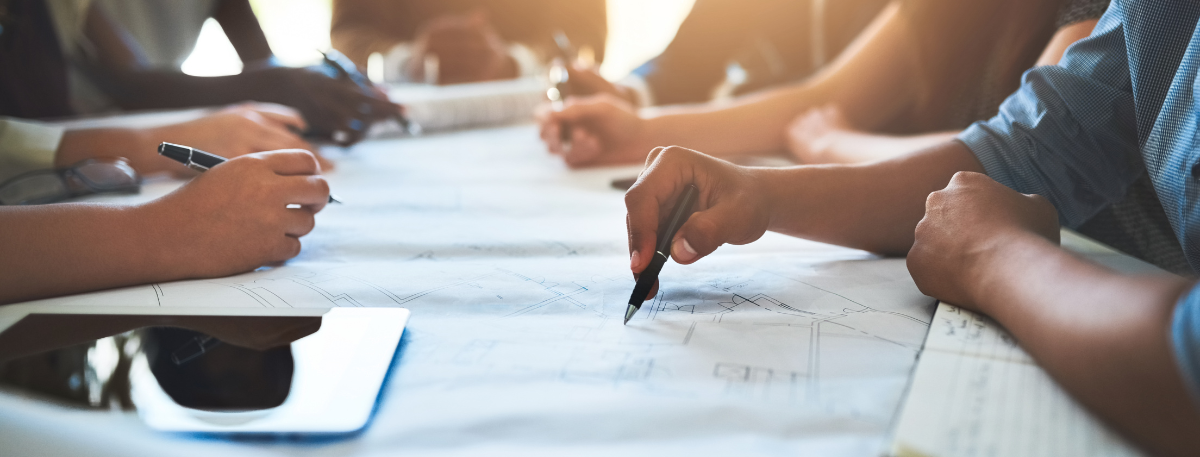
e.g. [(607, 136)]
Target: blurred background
[(637, 31)]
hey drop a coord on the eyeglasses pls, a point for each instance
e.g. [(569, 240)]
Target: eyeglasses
[(92, 176)]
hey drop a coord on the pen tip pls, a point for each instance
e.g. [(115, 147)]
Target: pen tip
[(629, 313)]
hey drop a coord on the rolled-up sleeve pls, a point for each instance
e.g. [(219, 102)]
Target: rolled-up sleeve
[(1185, 337), (1069, 133), (26, 146)]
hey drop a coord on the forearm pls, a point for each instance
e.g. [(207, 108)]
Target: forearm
[(164, 89), (1103, 336), (63, 249), (871, 81), (78, 145), (874, 206), (860, 147), (754, 124)]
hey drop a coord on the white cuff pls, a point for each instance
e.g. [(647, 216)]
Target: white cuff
[(26, 146)]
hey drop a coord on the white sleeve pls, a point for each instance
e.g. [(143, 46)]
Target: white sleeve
[(26, 146)]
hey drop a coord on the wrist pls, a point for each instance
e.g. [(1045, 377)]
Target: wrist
[(153, 249), (987, 268), (773, 187)]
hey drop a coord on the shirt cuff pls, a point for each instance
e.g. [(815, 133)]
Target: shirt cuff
[(26, 146), (1185, 338)]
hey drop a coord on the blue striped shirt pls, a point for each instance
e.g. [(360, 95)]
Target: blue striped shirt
[(1119, 104)]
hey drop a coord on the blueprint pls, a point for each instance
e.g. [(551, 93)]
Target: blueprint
[(516, 273)]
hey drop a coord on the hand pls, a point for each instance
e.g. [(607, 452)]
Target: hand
[(234, 218), (811, 135), (604, 130), (468, 49), (584, 80), (232, 132), (966, 226), (328, 102), (734, 206)]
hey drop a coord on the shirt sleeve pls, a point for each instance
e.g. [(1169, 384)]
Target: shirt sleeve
[(1185, 337), (26, 146), (1069, 132)]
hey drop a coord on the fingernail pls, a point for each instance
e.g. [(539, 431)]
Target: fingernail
[(633, 260), (683, 251)]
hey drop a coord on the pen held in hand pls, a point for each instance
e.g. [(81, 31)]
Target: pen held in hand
[(684, 207), (199, 160)]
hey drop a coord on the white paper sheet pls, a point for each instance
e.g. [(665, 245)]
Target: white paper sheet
[(468, 105), (977, 393), (516, 273)]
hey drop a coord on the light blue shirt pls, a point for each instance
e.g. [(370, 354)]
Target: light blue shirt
[(1119, 104)]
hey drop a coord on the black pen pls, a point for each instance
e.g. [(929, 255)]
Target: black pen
[(683, 209), (199, 160), (339, 63), (561, 79)]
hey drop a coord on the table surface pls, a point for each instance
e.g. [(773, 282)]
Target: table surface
[(466, 205)]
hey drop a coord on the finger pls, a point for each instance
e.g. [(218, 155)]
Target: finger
[(643, 203), (310, 192), (585, 148), (281, 116), (703, 233), (273, 139), (582, 109), (553, 137), (289, 162), (326, 164), (298, 222), (285, 248), (587, 81)]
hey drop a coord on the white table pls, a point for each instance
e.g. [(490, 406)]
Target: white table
[(781, 347)]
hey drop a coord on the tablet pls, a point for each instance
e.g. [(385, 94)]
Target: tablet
[(292, 375)]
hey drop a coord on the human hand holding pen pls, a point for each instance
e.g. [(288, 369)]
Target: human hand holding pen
[(604, 130), (236, 217), (733, 206)]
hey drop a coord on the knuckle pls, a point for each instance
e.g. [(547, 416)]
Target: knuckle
[(290, 248), (704, 234), (322, 184)]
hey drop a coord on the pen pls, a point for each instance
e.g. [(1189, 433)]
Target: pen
[(645, 282), (199, 160), (560, 77), (339, 62)]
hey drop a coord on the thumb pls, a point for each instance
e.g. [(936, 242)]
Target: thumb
[(705, 231), (587, 81)]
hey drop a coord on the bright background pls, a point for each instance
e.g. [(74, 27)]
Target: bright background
[(297, 29)]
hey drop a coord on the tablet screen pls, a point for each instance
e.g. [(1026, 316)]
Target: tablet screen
[(225, 374)]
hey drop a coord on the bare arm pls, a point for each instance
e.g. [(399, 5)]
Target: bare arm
[(240, 24), (823, 135), (868, 80), (1105, 337), (229, 220), (873, 206)]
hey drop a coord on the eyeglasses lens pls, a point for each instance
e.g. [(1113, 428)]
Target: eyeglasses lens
[(34, 189), (108, 176)]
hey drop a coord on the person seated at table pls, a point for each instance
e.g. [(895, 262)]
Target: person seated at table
[(1080, 135), (126, 54), (470, 40), (922, 65), (232, 219), (824, 135), (760, 37)]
